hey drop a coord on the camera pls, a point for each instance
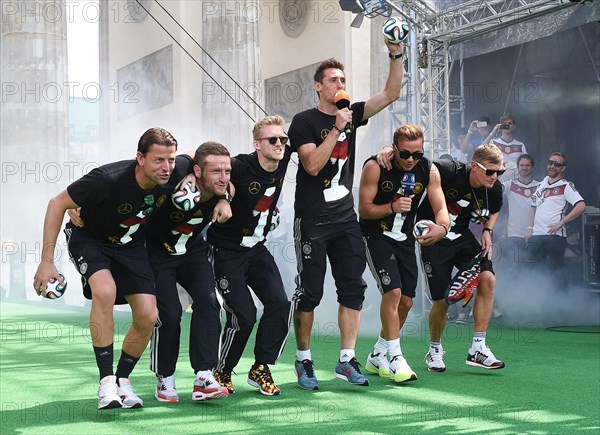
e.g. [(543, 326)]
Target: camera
[(504, 127), (481, 124)]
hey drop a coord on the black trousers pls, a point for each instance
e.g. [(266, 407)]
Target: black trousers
[(193, 271), (235, 271), (548, 254)]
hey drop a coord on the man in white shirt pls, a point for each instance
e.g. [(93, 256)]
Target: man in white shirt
[(518, 193), (547, 219), (510, 147)]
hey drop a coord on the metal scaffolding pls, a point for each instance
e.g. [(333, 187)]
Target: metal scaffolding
[(428, 101)]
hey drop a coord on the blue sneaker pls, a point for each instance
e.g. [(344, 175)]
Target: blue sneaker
[(306, 375), (350, 372)]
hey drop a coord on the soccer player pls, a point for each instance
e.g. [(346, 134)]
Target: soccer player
[(178, 253), (325, 224), (110, 255), (242, 261), (472, 193), (388, 202)]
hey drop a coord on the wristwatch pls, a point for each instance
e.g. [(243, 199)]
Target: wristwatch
[(395, 56), (489, 230), (228, 197)]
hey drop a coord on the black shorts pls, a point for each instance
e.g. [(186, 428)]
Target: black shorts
[(342, 243), (128, 265), (393, 264), (441, 258)]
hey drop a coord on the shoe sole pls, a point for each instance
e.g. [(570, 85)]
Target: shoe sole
[(199, 397), (112, 405), (376, 371), (345, 378), (403, 377), (266, 393), (164, 400), (134, 406), (436, 369), (475, 364)]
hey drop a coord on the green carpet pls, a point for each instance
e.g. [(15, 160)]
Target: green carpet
[(551, 385)]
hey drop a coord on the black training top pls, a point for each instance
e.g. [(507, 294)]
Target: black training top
[(326, 197), (389, 188), (114, 206), (254, 204), (465, 203)]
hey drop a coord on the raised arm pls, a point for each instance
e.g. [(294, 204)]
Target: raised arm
[(391, 91)]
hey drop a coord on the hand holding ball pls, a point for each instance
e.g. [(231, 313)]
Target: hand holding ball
[(185, 197), (55, 289), (421, 228), (395, 30)]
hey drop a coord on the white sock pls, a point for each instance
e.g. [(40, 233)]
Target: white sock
[(346, 355), (478, 340), (301, 355), (393, 347), (380, 347), (435, 344)]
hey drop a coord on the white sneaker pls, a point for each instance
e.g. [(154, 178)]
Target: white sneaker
[(207, 388), (108, 396), (378, 364), (128, 397), (435, 359), (400, 371), (165, 389), (483, 357)]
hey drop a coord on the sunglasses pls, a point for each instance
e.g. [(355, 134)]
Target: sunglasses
[(490, 172), (555, 164), (405, 155), (273, 139)]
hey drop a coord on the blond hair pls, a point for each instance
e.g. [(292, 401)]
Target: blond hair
[(267, 120), (488, 153)]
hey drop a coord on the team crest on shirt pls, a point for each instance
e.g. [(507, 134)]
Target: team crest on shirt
[(418, 188), (555, 191), (149, 199), (161, 200), (125, 208), (387, 186)]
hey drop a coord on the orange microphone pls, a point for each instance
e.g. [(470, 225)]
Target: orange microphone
[(342, 101)]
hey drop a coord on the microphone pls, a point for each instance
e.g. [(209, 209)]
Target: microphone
[(408, 185), (342, 101)]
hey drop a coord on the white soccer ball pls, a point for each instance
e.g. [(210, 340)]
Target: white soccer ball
[(421, 228), (395, 30), (185, 197), (55, 289)]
